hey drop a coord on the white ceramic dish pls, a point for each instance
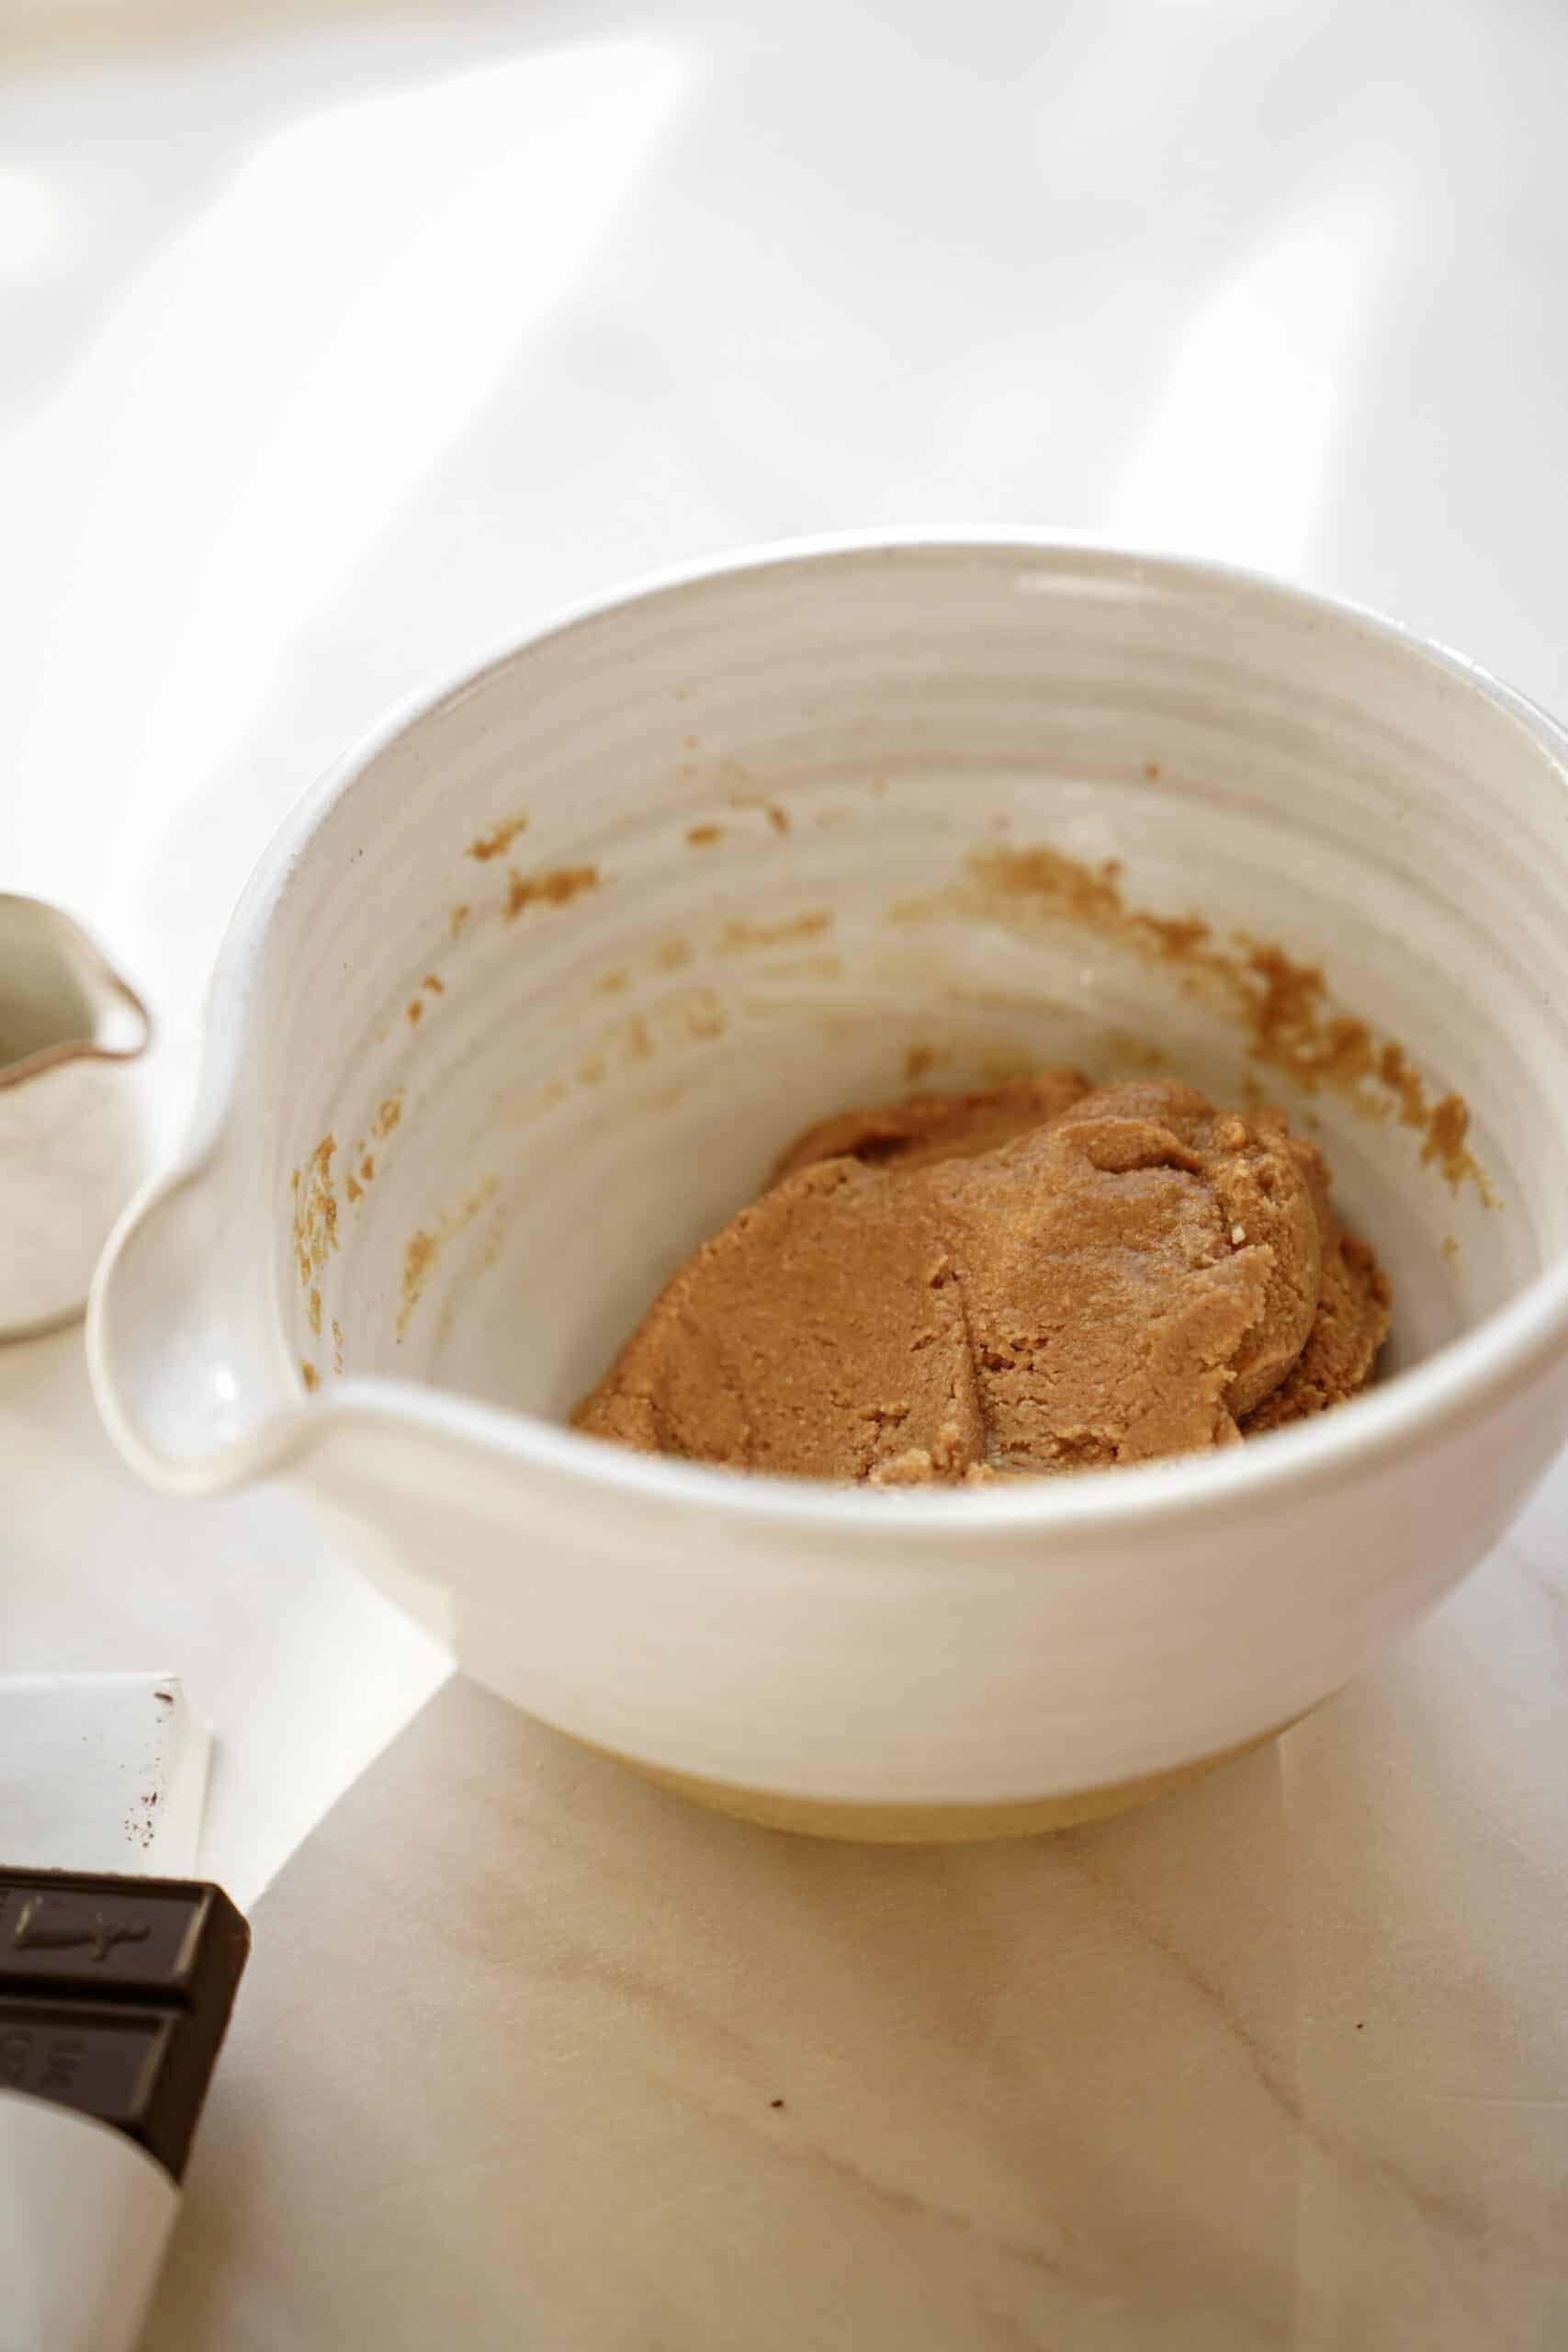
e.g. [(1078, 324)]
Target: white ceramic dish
[(535, 1107)]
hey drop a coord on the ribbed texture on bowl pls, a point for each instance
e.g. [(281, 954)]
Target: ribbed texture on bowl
[(478, 1085)]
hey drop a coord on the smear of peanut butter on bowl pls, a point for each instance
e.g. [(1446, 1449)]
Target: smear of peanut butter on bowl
[(1285, 1005)]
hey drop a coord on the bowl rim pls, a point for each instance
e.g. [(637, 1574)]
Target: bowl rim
[(1504, 1353)]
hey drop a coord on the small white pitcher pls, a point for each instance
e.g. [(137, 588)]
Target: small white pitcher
[(72, 1149)]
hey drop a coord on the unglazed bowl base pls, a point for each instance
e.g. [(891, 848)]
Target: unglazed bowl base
[(939, 1825)]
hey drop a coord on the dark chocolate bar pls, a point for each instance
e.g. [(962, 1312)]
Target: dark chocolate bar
[(114, 1996)]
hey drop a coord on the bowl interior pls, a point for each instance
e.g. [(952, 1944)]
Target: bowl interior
[(577, 951)]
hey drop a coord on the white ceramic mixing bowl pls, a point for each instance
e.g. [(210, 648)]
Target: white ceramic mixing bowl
[(533, 987)]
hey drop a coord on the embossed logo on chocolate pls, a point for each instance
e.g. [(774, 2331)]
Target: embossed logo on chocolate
[(114, 1996), (140, 1935), (47, 1924)]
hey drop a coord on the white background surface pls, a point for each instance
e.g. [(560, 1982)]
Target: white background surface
[(336, 356), (332, 357)]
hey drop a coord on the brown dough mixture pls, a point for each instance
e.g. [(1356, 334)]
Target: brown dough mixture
[(1044, 1276)]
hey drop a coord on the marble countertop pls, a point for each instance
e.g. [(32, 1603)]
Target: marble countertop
[(337, 353), (537, 2054)]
